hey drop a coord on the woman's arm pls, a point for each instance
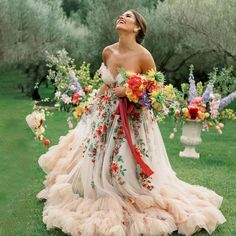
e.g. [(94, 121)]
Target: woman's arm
[(102, 90)]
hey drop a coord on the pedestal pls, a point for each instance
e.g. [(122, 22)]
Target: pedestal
[(191, 137)]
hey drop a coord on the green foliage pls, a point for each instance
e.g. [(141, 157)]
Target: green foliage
[(180, 32), (29, 27), (224, 81), (86, 79), (184, 32)]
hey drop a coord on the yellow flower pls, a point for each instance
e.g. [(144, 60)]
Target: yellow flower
[(201, 115), (78, 112), (157, 106), (154, 93), (151, 74), (131, 96), (169, 92), (141, 87), (130, 73)]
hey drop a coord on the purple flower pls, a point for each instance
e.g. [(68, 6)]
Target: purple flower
[(227, 100), (144, 100), (75, 82), (192, 89), (208, 91)]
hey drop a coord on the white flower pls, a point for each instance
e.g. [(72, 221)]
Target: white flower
[(35, 119), (58, 94)]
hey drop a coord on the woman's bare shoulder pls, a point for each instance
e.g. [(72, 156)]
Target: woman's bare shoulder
[(107, 51), (146, 60)]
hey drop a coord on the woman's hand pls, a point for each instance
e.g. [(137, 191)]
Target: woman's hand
[(119, 91)]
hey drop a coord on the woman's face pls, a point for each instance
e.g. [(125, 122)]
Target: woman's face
[(126, 22)]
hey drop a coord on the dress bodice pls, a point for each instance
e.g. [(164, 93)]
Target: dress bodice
[(107, 77)]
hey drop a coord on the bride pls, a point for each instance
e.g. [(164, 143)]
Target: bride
[(95, 186)]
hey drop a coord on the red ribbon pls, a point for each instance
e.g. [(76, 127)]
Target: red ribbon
[(124, 109)]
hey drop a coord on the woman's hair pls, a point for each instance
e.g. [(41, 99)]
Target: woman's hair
[(141, 22)]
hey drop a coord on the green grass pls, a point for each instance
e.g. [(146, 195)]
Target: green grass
[(21, 177)]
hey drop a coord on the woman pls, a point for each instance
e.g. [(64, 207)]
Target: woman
[(94, 185)]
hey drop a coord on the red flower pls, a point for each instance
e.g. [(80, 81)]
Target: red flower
[(197, 101), (120, 131), (104, 127), (135, 82), (193, 112), (114, 167), (99, 132), (136, 115), (47, 142), (76, 96), (105, 98), (151, 85)]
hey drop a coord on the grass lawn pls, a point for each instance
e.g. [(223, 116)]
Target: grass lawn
[(21, 177)]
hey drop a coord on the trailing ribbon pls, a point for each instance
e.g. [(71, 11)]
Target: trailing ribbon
[(124, 109)]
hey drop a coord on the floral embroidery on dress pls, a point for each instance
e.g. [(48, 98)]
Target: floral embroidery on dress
[(117, 167), (144, 181)]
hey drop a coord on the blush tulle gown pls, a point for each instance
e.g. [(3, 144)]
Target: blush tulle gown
[(94, 186)]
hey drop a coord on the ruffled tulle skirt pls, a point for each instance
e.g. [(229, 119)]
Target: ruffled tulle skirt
[(93, 185)]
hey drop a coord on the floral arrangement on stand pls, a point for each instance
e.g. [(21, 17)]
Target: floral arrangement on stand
[(73, 90), (72, 86), (205, 107)]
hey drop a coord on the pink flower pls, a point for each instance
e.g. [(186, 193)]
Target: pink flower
[(66, 99), (72, 87)]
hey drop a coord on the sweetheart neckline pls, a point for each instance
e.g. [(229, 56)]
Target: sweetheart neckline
[(113, 77)]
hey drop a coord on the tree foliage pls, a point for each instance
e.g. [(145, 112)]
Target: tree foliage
[(180, 32)]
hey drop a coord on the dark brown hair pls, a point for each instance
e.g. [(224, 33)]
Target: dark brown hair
[(141, 22)]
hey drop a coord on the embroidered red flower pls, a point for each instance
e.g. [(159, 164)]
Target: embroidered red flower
[(99, 132), (120, 131), (104, 128), (114, 167)]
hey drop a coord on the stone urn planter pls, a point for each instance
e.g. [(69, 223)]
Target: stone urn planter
[(191, 137)]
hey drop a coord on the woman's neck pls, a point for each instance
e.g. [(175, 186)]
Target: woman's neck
[(126, 43)]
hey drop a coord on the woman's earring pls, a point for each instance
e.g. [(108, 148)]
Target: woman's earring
[(135, 30)]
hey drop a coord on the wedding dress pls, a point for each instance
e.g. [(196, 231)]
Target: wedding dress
[(94, 186)]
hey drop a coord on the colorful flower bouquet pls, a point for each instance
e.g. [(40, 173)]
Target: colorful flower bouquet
[(146, 91)]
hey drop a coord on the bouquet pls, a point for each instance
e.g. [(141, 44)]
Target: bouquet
[(146, 91)]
